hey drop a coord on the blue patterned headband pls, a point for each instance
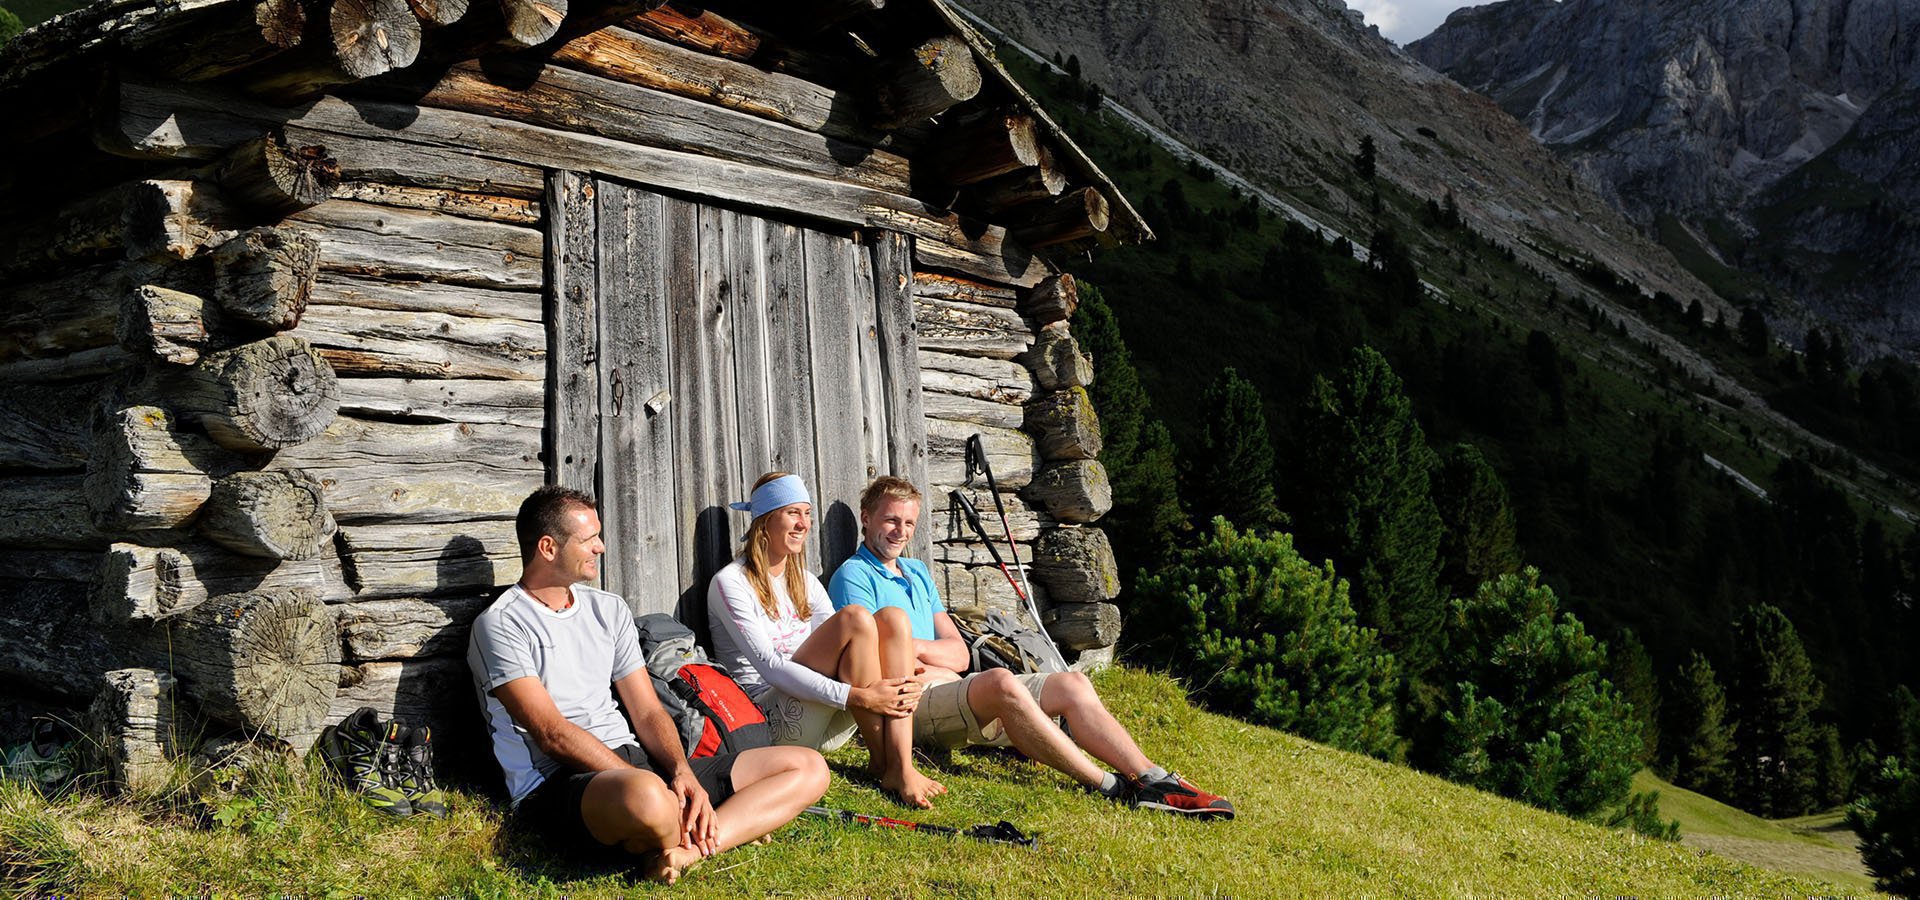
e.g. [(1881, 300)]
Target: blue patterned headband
[(783, 491)]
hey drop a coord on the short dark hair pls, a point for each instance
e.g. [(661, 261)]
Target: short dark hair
[(544, 513)]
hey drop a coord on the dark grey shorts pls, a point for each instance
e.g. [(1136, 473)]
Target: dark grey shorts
[(552, 811)]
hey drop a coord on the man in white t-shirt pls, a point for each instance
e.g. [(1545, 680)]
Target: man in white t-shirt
[(548, 657)]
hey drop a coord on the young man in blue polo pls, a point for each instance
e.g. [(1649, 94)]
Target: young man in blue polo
[(996, 707)]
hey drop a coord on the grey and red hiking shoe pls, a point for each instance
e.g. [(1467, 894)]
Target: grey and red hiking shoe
[(416, 774), (1177, 795), (358, 748)]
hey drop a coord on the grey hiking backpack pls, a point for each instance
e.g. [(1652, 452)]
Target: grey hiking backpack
[(996, 640)]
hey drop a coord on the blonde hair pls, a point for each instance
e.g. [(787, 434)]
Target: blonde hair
[(884, 488), (755, 559)]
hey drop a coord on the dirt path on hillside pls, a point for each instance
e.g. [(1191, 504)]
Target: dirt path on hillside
[(1833, 862)]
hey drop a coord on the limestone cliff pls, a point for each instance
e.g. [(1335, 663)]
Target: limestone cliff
[(1282, 91), (1774, 132)]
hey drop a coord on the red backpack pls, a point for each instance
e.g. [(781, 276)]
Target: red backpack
[(714, 714)]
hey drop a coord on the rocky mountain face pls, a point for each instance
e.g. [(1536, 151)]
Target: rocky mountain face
[(1776, 135), (1283, 91)]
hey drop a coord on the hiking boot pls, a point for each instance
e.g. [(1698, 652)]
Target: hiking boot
[(358, 749), (416, 775), (1177, 795), (45, 760)]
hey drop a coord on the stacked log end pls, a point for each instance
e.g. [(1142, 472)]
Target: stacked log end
[(924, 81), (267, 661), (999, 361), (265, 395)]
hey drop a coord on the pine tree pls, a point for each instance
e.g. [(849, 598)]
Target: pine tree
[(1699, 734), (1900, 727), (1367, 503), (1630, 668), (1367, 159), (1233, 465), (9, 25), (1887, 819), (1477, 532), (1526, 711), (1774, 694), (1136, 447), (1754, 336), (1272, 638)]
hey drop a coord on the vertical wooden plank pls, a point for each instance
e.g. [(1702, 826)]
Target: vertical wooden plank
[(704, 430), (790, 370), (681, 234), (573, 335), (873, 414), (746, 273), (834, 334), (899, 346), (720, 447), (637, 433)]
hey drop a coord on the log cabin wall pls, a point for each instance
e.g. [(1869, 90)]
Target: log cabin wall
[(279, 369)]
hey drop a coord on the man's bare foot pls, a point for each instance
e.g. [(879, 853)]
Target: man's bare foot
[(666, 865), (913, 789)]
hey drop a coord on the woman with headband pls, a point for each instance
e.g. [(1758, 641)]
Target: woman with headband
[(817, 674)]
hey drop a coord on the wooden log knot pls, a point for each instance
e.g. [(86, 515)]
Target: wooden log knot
[(145, 472), (1054, 299), (372, 37), (134, 729), (1084, 626)]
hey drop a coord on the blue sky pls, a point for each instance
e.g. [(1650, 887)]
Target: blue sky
[(1405, 21)]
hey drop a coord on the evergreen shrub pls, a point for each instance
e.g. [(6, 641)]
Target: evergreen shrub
[(1525, 710), (1269, 637)]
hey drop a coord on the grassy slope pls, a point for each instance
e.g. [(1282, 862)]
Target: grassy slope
[(1314, 821), (1818, 846)]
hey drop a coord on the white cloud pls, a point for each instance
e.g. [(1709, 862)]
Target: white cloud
[(1405, 21)]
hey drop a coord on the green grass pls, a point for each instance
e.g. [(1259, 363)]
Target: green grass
[(1314, 821), (1817, 846)]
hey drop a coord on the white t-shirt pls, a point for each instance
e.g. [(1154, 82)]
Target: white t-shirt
[(757, 650), (577, 653)]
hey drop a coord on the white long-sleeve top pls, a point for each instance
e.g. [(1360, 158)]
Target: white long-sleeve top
[(757, 650)]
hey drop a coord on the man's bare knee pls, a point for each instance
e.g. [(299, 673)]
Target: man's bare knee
[(621, 807), (810, 768), (996, 693), (1074, 689)]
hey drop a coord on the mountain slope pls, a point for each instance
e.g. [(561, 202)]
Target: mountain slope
[(1763, 129)]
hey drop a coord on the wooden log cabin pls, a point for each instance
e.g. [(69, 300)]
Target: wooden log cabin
[(299, 298)]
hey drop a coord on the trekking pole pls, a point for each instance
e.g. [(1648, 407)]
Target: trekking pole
[(977, 462), (966, 508), (1003, 833)]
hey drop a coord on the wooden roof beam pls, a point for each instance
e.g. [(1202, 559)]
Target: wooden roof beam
[(925, 81)]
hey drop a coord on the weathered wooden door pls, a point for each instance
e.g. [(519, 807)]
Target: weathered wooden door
[(694, 347)]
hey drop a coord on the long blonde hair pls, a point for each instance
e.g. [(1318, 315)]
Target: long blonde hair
[(756, 560)]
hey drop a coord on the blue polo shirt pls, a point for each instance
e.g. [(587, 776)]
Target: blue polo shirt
[(865, 580)]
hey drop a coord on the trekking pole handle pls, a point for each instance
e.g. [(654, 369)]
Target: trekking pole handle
[(967, 509), (977, 460)]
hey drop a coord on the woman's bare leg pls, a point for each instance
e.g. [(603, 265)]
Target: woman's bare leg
[(847, 648)]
